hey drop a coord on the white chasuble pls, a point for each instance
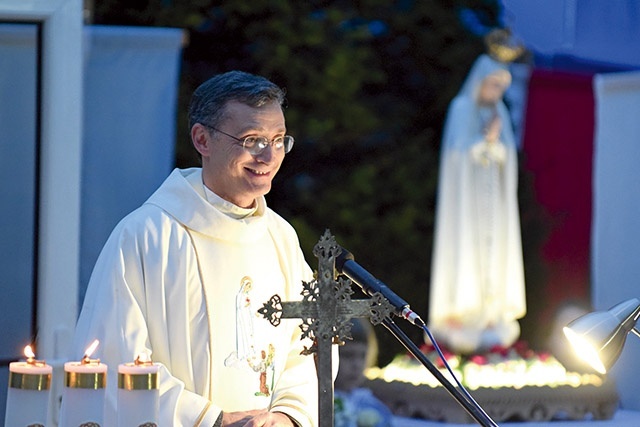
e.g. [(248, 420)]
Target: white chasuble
[(181, 280)]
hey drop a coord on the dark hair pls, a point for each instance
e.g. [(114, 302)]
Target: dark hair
[(209, 99)]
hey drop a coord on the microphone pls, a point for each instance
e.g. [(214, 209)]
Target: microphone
[(346, 264)]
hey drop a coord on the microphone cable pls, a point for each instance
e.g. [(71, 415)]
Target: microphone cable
[(457, 381)]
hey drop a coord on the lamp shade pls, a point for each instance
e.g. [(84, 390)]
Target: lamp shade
[(598, 337)]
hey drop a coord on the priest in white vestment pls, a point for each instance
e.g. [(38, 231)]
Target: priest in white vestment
[(182, 277), (477, 280)]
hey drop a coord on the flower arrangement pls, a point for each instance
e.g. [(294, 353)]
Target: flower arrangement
[(516, 366)]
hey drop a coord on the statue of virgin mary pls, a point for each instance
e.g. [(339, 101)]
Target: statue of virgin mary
[(477, 280)]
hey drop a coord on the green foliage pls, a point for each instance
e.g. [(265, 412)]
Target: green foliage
[(368, 85)]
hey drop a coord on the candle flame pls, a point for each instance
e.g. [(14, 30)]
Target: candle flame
[(143, 358), (31, 357), (28, 352), (89, 351)]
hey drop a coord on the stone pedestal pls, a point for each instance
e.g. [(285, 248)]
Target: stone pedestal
[(502, 404)]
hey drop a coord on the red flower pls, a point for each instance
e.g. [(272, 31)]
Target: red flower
[(544, 356), (498, 349), (427, 348), (478, 359)]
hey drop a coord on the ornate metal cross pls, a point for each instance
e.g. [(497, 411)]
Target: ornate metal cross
[(326, 310)]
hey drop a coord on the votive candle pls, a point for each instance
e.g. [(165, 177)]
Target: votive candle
[(84, 391), (138, 394), (28, 392)]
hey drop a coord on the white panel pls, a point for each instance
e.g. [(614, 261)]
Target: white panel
[(137, 138), (18, 154), (616, 212), (59, 204), (60, 184)]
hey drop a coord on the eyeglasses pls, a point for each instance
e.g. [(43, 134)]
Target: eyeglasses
[(257, 144)]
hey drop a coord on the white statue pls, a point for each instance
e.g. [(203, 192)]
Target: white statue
[(477, 282)]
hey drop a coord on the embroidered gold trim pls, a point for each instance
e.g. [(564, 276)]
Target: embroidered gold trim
[(202, 414)]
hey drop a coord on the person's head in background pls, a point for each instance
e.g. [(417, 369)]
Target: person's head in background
[(357, 355)]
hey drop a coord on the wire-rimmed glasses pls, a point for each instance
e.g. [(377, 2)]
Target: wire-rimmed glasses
[(257, 144)]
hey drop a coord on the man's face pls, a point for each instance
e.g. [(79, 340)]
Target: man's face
[(228, 169)]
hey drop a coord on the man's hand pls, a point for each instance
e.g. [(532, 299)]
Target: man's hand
[(256, 418)]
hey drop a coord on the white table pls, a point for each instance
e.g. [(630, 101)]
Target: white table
[(621, 418)]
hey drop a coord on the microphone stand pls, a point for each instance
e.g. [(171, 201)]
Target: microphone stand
[(477, 413)]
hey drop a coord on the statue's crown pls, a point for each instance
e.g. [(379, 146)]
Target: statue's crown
[(503, 46)]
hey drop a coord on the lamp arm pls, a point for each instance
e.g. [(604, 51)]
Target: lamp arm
[(636, 331)]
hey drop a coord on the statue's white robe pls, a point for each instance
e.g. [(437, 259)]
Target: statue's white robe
[(477, 288), (166, 282)]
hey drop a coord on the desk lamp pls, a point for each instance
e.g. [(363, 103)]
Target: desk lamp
[(598, 337)]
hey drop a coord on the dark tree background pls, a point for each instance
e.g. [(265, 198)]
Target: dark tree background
[(368, 84)]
